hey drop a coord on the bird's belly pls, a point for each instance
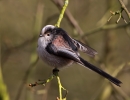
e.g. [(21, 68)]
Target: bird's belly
[(53, 60)]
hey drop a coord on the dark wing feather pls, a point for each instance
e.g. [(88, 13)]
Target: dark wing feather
[(74, 44), (67, 38), (62, 52), (84, 48)]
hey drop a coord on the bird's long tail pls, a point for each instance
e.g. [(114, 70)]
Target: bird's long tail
[(101, 72)]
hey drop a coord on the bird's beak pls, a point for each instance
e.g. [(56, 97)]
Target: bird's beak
[(40, 35)]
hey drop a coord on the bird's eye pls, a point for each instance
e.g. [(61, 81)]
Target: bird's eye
[(48, 34)]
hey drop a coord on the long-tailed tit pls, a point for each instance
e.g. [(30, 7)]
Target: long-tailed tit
[(58, 49)]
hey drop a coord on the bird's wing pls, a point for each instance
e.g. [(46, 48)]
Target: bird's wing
[(75, 44), (84, 48), (62, 34), (59, 47)]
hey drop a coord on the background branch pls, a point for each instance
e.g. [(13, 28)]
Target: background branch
[(33, 57), (3, 89), (119, 12), (69, 16), (124, 7), (105, 27)]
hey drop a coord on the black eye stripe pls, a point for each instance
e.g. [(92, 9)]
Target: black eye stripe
[(48, 31)]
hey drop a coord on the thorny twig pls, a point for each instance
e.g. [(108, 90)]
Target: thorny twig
[(44, 82), (125, 9), (119, 12)]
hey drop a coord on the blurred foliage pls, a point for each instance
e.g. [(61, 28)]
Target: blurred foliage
[(3, 90), (20, 25)]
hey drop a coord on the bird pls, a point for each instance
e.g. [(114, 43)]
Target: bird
[(58, 49)]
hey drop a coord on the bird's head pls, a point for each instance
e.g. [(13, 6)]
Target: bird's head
[(46, 35)]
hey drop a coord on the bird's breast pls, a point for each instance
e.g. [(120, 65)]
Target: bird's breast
[(51, 59)]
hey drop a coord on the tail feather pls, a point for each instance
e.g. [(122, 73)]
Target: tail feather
[(101, 72)]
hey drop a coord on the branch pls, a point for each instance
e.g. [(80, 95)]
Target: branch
[(124, 7), (62, 13), (44, 82), (9, 50), (108, 89), (69, 16), (3, 89), (119, 12), (25, 78), (60, 89), (34, 57), (105, 27)]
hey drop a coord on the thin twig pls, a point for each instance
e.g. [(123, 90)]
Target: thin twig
[(9, 50), (124, 7), (119, 12), (60, 89), (105, 27), (62, 13), (108, 89), (42, 82), (69, 16), (34, 57), (24, 80), (121, 92)]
